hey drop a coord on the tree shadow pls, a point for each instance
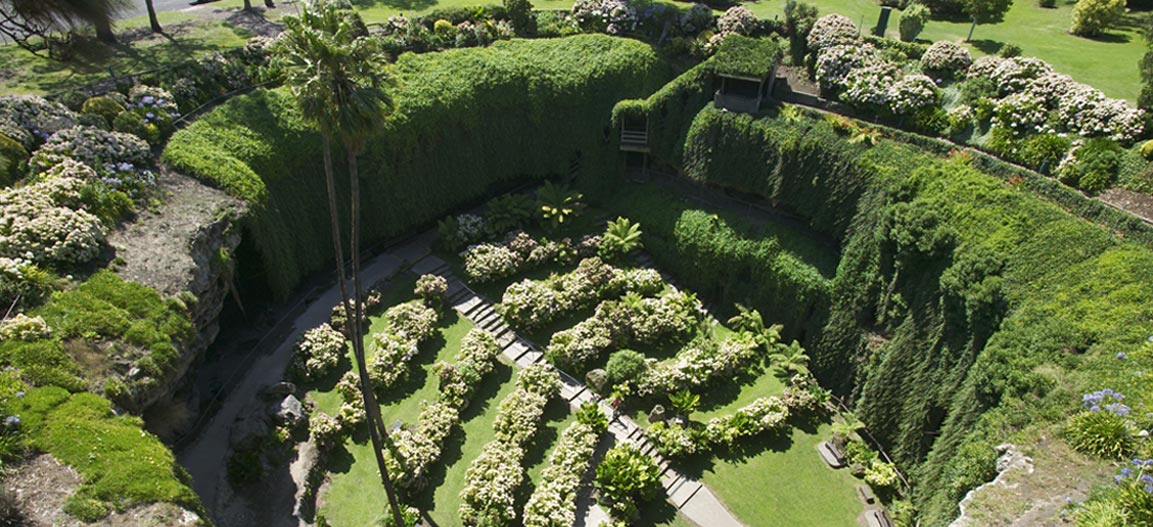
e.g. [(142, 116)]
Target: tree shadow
[(990, 47), (555, 411), (339, 460), (1111, 38), (413, 5)]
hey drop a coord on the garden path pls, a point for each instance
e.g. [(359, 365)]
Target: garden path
[(692, 498)]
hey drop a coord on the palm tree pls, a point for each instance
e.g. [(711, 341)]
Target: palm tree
[(790, 360), (152, 20), (332, 73), (749, 321), (847, 430)]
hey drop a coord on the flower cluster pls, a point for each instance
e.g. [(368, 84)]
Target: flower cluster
[(765, 413), (870, 84), (697, 364), (1021, 114), (835, 62), (150, 115), (493, 477), (488, 262), (984, 67), (697, 18), (1088, 112), (324, 429), (913, 93), (40, 225), (614, 17), (431, 288), (119, 160), (533, 303), (412, 320), (1052, 87), (319, 351), (623, 323), (421, 447), (35, 115), (21, 327), (1140, 477), (410, 324), (674, 439), (737, 19), (832, 30), (947, 57), (1107, 400), (553, 501), (1016, 74)]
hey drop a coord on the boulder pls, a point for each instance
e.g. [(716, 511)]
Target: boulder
[(290, 411)]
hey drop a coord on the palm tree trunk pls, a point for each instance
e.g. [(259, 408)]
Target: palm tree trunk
[(376, 428), (152, 20)]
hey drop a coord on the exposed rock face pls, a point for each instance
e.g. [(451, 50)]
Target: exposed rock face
[(185, 245)]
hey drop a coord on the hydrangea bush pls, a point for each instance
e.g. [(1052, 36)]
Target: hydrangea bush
[(699, 363), (869, 85), (35, 115), (553, 501), (946, 57), (835, 62), (120, 160), (737, 19), (431, 288), (412, 320), (37, 226), (615, 17), (318, 352), (25, 328), (1021, 114), (913, 93), (832, 30)]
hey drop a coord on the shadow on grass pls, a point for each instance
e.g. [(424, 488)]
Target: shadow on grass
[(414, 5), (990, 47)]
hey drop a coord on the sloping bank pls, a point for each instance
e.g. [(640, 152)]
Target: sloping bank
[(466, 122), (964, 310)]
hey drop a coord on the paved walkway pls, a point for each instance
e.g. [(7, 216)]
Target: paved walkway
[(694, 500)]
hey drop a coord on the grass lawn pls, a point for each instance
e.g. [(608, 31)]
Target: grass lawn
[(783, 481), (1108, 63)]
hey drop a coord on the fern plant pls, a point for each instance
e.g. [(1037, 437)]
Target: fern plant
[(558, 204), (621, 238)]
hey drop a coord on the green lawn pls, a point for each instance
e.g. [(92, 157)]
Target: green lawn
[(783, 481), (1108, 63)]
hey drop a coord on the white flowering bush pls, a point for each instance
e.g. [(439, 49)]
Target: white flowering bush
[(832, 30), (120, 160), (614, 17), (697, 18), (324, 429), (580, 344), (532, 303), (36, 115), (984, 67), (697, 364), (642, 281), (674, 440), (37, 227), (319, 351), (946, 57), (737, 19), (1089, 113), (25, 328), (493, 477), (765, 413), (431, 288), (869, 85), (1015, 74), (553, 501), (912, 94), (1052, 87), (412, 320), (1021, 114), (623, 323), (150, 115), (489, 263), (960, 118), (390, 357), (835, 62)]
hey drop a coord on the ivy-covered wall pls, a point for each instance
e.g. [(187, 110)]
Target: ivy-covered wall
[(466, 121), (964, 307)]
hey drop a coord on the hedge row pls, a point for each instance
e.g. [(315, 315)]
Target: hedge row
[(966, 309), (466, 121)]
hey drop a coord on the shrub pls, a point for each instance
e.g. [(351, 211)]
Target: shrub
[(1090, 165), (737, 19), (912, 94), (615, 17), (412, 321), (1147, 150), (39, 228), (431, 288), (882, 475), (120, 160), (835, 62), (1021, 114), (36, 116), (868, 86), (318, 351), (104, 107), (13, 160), (1014, 75), (521, 16), (1009, 51), (1092, 17), (626, 476), (1100, 433), (553, 501), (620, 238), (946, 58), (509, 213), (675, 440), (624, 366), (25, 328), (695, 19), (913, 20), (831, 30)]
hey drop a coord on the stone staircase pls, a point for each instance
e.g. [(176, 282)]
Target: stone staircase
[(689, 496)]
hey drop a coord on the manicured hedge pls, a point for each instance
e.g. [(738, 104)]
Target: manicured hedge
[(965, 306), (467, 121)]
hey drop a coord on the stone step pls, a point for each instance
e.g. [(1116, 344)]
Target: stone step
[(460, 292), (529, 358), (515, 349), (466, 304), (684, 492), (480, 313), (507, 339)]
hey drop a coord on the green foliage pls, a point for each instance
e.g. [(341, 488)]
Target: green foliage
[(620, 238), (552, 95), (746, 57), (592, 415), (882, 475), (1093, 166), (521, 16), (13, 160), (104, 107), (913, 20), (1093, 17), (986, 11), (1102, 433), (508, 213), (625, 476), (684, 402), (1147, 150), (558, 204), (789, 361), (120, 463), (624, 366)]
